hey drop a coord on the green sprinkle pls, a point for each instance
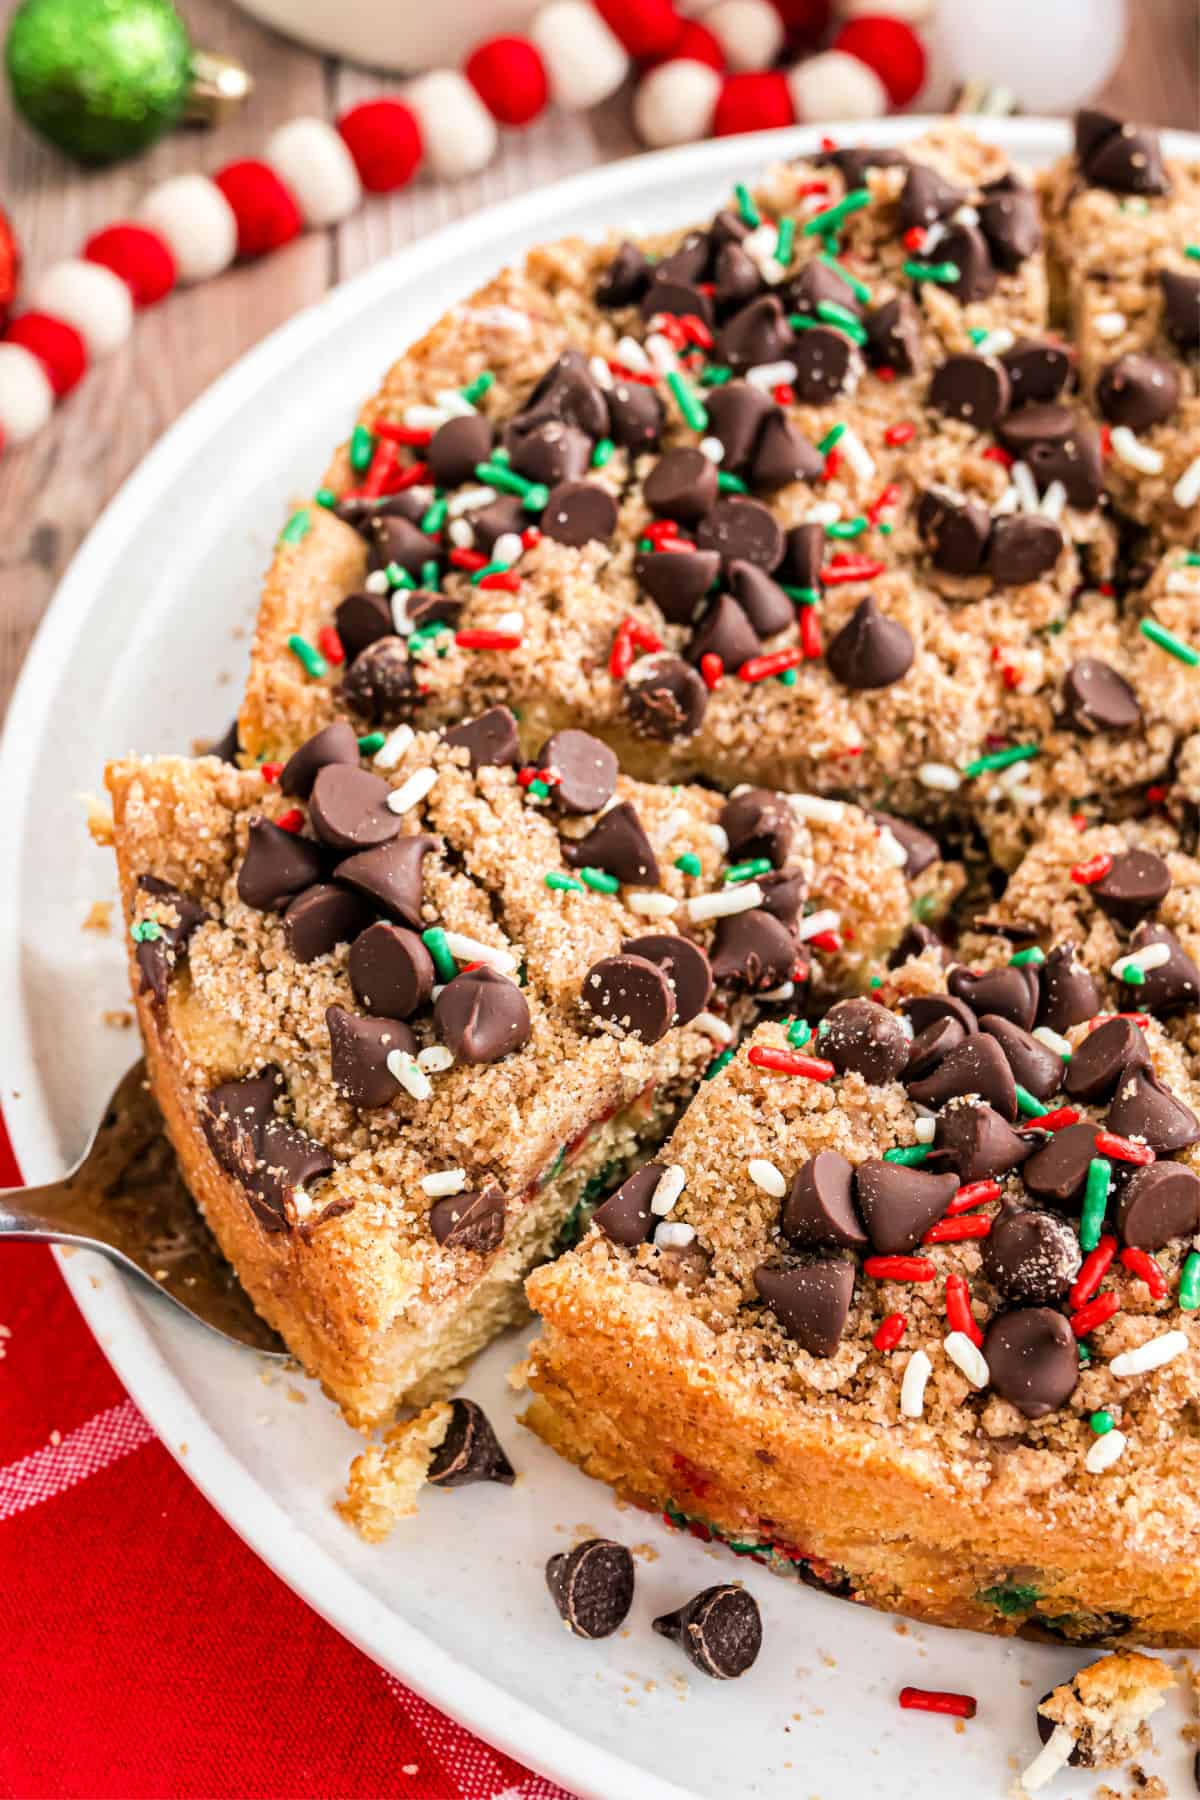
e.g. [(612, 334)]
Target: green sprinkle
[(398, 577), (688, 863), (825, 224), (1009, 1598), (718, 1063), (1101, 1422), (297, 527), (858, 288), (925, 907), (730, 484), (599, 880), (715, 375), (475, 390), (788, 677), (374, 740), (691, 408), (746, 871), (1135, 206), (310, 660), (562, 883), (325, 497), (1166, 640), (434, 941), (500, 455), (1192, 250), (147, 932), (1134, 974), (1024, 959), (977, 333), (362, 448), (1085, 1355), (492, 568), (846, 528), (798, 1033), (801, 595), (1027, 1106), (884, 530), (1189, 1283), (831, 437), (910, 1155), (843, 319), (602, 453), (785, 241), (802, 322), (1001, 759), (426, 634), (876, 981), (1095, 1201), (749, 212), (434, 517), (431, 575), (945, 274), (539, 790), (536, 499), (1191, 559), (496, 475)]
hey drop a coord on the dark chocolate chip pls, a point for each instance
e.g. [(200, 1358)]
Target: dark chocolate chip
[(457, 446), (1032, 1359), (395, 539), (804, 552), (578, 513), (977, 1066), (481, 1016), (926, 197), (391, 875), (361, 510), (277, 865), (1022, 548), (894, 335), (1011, 992), (685, 965), (470, 1451), (818, 1213), (923, 1009), (1043, 422), (742, 530), (759, 822), (817, 282), (783, 893), (173, 938), (736, 412), (1075, 460), (631, 993), (1034, 1066), (155, 963), (678, 299), (322, 917), (1102, 1057), (1011, 224), (636, 416), (336, 743), (287, 1159), (592, 1586), (1037, 370), (1158, 1204), (811, 1300), (755, 334), (761, 599), (1138, 390), (1096, 698), (380, 682), (1032, 1257), (736, 279), (1181, 308), (782, 454), (870, 650), (490, 740), (824, 360), (956, 531), (1069, 994), (1126, 159), (569, 391), (1144, 1107), (362, 619), (682, 486), (626, 278), (854, 162), (971, 387), (966, 247), (863, 1036), (665, 698), (551, 452), (349, 811), (753, 950), (390, 971), (1057, 1172), (898, 1205), (1045, 1730), (978, 1144), (469, 1221), (358, 1053), (1138, 883), (920, 849), (625, 1217), (1172, 987), (724, 631), (501, 517), (617, 843), (931, 1047), (677, 580), (720, 1631), (233, 1117), (586, 771)]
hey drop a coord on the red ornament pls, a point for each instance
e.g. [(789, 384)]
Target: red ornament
[(754, 102), (806, 21), (266, 214), (889, 47), (509, 76), (10, 268), (384, 139), (646, 28), (695, 43), (140, 257), (57, 346)]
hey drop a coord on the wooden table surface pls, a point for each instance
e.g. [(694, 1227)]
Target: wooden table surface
[(53, 488)]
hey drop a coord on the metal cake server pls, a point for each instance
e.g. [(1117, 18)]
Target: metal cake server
[(126, 1199)]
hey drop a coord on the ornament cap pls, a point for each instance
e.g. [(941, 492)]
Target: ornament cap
[(220, 85)]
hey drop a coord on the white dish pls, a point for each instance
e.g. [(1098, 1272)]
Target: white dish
[(144, 648)]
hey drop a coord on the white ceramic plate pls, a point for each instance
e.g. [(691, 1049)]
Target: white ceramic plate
[(144, 648)]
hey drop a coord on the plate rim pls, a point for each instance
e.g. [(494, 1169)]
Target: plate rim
[(508, 1723)]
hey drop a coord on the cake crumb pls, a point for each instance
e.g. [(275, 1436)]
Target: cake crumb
[(99, 916), (386, 1478)]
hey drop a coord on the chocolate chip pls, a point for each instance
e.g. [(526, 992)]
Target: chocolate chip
[(854, 162), (894, 335), (579, 512), (360, 511), (490, 740), (481, 1016), (1172, 987), (394, 539), (689, 261), (1032, 1257), (681, 486), (1144, 1107), (1045, 1730), (931, 1047), (923, 1009), (720, 1631), (753, 950), (1138, 882), (970, 387), (782, 454), (1102, 1057), (470, 1451), (1012, 227), (685, 965), (665, 698), (1126, 159), (349, 811), (469, 1221), (636, 416), (592, 1586), (569, 391), (626, 278), (457, 446), (724, 631), (362, 619), (1011, 992), (1023, 548), (380, 682), (816, 283), (499, 518), (631, 993), (1032, 1359), (358, 1053), (736, 278), (1075, 460), (1069, 994), (863, 1036), (979, 1144), (1138, 390), (625, 1217), (926, 197), (811, 1300), (1057, 1172), (824, 360), (287, 1159), (1158, 1204), (1096, 698), (783, 894), (156, 957), (277, 865), (617, 843), (391, 875), (819, 1213), (550, 452), (762, 600), (920, 849), (678, 299), (336, 743), (755, 334), (1037, 370), (233, 1117), (966, 247), (759, 822), (977, 1066), (586, 771), (390, 971), (898, 1205), (870, 650), (916, 940), (677, 580), (804, 552), (1039, 424), (1036, 1068), (1181, 308), (322, 917), (742, 530), (727, 227), (956, 531), (736, 412)]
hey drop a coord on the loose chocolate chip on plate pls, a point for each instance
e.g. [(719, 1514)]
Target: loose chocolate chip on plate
[(579, 512), (978, 1067), (782, 454), (720, 1631), (358, 1053), (390, 971), (617, 843), (626, 278), (1032, 1359), (862, 1036), (755, 334), (811, 1300), (1032, 1257), (631, 993), (481, 1016), (870, 650), (349, 811), (1137, 883), (894, 335), (1069, 994), (724, 631), (1144, 1107), (1181, 308), (361, 619), (1034, 1066), (1011, 992), (1037, 370), (956, 531), (685, 965), (824, 360), (592, 1586), (818, 1213), (585, 769), (457, 446), (490, 740), (1058, 1170), (1096, 698), (665, 698), (336, 743), (926, 197), (1022, 548), (277, 865), (898, 1205), (753, 950), (1102, 1057), (736, 413), (322, 917), (469, 1221), (1159, 1203), (1138, 390), (761, 599), (977, 1143), (677, 580), (759, 822), (970, 387), (380, 682), (920, 849), (470, 1451), (1172, 986), (1012, 227), (742, 530), (391, 875), (625, 1217)]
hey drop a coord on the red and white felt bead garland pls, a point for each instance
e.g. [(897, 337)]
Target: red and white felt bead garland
[(702, 75)]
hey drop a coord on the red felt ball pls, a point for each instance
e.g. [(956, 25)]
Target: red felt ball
[(695, 43), (509, 76), (384, 139), (140, 257), (889, 47), (57, 346), (647, 28), (755, 102), (266, 214), (10, 267), (806, 21)]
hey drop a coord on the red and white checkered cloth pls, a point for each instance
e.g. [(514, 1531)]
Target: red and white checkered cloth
[(146, 1651)]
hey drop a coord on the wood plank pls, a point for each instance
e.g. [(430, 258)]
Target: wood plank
[(1158, 80)]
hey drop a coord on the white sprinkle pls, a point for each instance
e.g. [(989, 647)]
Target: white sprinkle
[(893, 850), (1109, 324), (996, 343), (425, 418), (668, 1188), (411, 792), (673, 1234), (1150, 956), (377, 582), (857, 455), (436, 1059), (461, 533), (469, 499), (1026, 486), (713, 448), (661, 353), (725, 902), (1053, 501), (452, 401), (825, 920), (933, 236), (940, 776), (507, 548), (1052, 1041), (813, 807), (403, 1067), (769, 375), (766, 1176), (445, 1181), (1151, 1355), (302, 1203), (1104, 1452), (651, 905), (503, 318), (630, 355), (924, 1130), (1183, 581), (1054, 1755), (963, 215), (393, 747), (600, 373), (784, 991), (719, 838), (1007, 503), (912, 1388), (713, 1028), (401, 623), (968, 1357), (469, 949), (824, 512), (1186, 491), (511, 623), (1134, 454)]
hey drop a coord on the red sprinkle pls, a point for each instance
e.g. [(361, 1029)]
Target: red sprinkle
[(810, 634), (271, 771), (1058, 1120), (402, 434), (487, 640), (1156, 794), (1146, 1269), (833, 462), (890, 1332), (660, 528), (1096, 1312), (914, 238), (712, 669), (959, 1316), (898, 1268), (805, 188), (620, 657), (330, 644), (384, 470), (995, 454), (976, 1193), (862, 569), (1095, 869), (1105, 440), (889, 496), (957, 1706), (507, 580), (416, 472), (830, 941), (1095, 1267), (885, 374), (643, 638), (530, 537), (787, 1062), (462, 558), (760, 668), (672, 546), (290, 821), (957, 1231), (1124, 1149), (695, 330), (1142, 1019), (643, 378), (903, 433), (670, 326), (783, 393)]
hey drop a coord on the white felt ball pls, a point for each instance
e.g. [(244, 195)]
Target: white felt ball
[(912, 12), (458, 133), (585, 61), (836, 86), (674, 103), (311, 159), (196, 220), (750, 32), (26, 397), (89, 297)]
